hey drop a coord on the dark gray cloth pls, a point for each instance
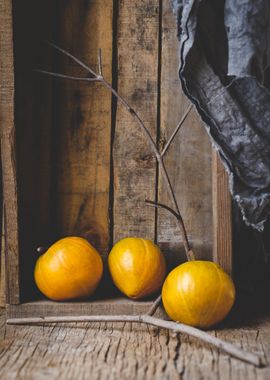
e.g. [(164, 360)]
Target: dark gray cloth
[(224, 70)]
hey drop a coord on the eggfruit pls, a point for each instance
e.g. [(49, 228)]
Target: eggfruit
[(71, 268), (137, 267), (198, 293)]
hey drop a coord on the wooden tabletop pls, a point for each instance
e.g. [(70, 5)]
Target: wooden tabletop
[(125, 351)]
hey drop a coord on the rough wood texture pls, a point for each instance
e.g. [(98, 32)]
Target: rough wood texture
[(222, 216), (82, 170), (111, 306), (2, 246), (125, 351), (8, 149), (188, 159), (134, 164), (2, 268)]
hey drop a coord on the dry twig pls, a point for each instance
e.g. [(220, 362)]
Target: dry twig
[(145, 318), (149, 320), (98, 77), (179, 125)]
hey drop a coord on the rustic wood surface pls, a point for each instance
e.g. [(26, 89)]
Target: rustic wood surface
[(222, 216), (189, 158), (83, 131), (134, 163), (8, 147), (125, 351), (2, 269), (105, 306), (2, 247)]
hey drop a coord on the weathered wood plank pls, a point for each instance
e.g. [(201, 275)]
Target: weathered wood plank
[(125, 351), (82, 154), (133, 162), (2, 245), (109, 306), (222, 216), (8, 148), (188, 160), (2, 266)]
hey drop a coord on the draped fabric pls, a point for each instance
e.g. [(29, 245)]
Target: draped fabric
[(224, 70)]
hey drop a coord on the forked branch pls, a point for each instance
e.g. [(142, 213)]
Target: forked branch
[(145, 318), (98, 77), (178, 217), (149, 320), (179, 125)]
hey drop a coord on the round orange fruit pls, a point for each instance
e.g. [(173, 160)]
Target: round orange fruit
[(70, 268), (137, 267), (198, 293)]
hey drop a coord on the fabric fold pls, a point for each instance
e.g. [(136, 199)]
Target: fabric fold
[(224, 61)]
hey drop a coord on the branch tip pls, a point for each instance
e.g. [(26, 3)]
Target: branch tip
[(179, 125), (100, 62), (154, 306)]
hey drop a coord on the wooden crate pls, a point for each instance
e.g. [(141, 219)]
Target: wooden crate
[(75, 163)]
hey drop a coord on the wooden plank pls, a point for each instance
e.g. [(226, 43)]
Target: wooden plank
[(82, 137), (2, 245), (133, 162), (2, 266), (110, 306), (188, 160), (126, 351), (8, 149), (222, 216)]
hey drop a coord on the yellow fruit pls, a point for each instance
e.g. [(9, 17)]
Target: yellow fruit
[(70, 268), (198, 293), (137, 267)]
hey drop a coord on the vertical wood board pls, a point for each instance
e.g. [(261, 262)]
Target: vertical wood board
[(133, 161), (2, 262), (2, 259), (188, 159), (222, 216), (8, 149), (82, 156), (2, 244)]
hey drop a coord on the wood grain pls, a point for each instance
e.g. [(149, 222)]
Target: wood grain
[(2, 246), (8, 149), (188, 159), (133, 162), (82, 136), (2, 266), (125, 351), (106, 306), (222, 216)]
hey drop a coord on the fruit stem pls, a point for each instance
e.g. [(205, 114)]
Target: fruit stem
[(41, 250)]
